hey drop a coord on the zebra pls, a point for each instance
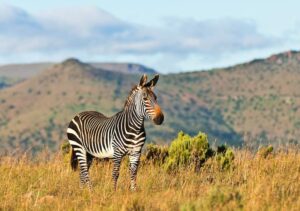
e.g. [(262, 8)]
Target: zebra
[(92, 134)]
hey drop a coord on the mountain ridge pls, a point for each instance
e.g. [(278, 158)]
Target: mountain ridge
[(26, 71)]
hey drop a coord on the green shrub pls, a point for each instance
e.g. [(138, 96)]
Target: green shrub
[(224, 157), (65, 148), (156, 154), (66, 152), (265, 151), (188, 151)]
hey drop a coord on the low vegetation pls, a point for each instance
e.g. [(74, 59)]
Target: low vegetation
[(227, 179), (188, 152)]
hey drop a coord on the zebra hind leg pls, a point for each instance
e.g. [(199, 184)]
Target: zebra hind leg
[(73, 161), (84, 168), (89, 159)]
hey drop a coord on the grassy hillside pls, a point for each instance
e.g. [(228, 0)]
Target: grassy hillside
[(258, 99), (253, 184), (37, 111), (255, 102)]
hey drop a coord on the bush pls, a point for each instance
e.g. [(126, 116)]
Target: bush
[(224, 157), (66, 151), (265, 151), (65, 148), (188, 151), (156, 154)]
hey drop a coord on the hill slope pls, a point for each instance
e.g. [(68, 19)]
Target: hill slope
[(255, 102), (35, 112), (258, 99)]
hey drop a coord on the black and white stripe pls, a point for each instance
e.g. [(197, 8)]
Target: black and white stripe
[(91, 134)]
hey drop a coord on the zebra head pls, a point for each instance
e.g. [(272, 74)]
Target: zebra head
[(146, 100)]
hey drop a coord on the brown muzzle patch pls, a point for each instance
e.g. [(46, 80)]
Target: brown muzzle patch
[(159, 116)]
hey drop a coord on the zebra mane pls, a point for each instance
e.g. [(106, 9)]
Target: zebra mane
[(128, 100)]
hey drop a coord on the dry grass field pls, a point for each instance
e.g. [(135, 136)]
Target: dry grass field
[(252, 183)]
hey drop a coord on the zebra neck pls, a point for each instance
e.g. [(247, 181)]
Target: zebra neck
[(133, 119)]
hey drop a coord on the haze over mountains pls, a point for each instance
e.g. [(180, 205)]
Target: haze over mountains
[(254, 101)]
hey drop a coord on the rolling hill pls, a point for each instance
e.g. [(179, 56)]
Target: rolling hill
[(252, 102)]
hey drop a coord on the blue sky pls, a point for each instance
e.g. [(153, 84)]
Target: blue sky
[(169, 35)]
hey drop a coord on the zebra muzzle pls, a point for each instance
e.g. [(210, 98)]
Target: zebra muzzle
[(158, 119), (158, 116)]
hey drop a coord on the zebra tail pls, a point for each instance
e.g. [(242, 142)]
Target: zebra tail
[(74, 161)]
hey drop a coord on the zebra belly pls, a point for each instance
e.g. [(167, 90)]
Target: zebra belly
[(108, 153)]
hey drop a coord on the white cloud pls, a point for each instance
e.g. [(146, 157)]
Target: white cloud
[(91, 33)]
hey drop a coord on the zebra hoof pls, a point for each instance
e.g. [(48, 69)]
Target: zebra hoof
[(133, 188)]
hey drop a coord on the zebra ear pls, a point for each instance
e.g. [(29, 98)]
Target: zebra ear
[(143, 80), (152, 82)]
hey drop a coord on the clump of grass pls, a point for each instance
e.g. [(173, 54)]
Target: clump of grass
[(217, 198), (265, 151)]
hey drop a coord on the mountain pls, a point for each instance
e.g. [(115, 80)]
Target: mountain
[(36, 112), (254, 102), (25, 71)]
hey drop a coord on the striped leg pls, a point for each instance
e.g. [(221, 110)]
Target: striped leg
[(84, 174), (116, 171), (89, 159), (134, 160)]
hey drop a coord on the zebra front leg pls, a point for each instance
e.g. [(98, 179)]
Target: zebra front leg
[(134, 160), (116, 170), (83, 165)]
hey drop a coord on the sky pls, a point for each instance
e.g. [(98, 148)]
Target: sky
[(169, 35)]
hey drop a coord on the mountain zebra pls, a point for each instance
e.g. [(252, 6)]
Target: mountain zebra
[(91, 134)]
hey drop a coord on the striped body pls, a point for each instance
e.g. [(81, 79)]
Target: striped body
[(91, 134), (100, 135)]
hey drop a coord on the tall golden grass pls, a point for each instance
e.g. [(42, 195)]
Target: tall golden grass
[(253, 183)]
